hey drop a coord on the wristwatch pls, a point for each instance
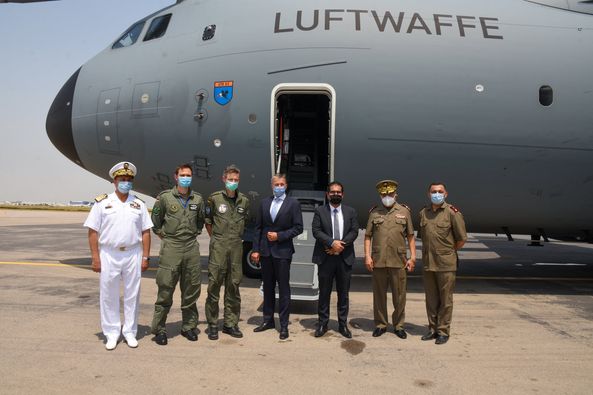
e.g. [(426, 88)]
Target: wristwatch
[(146, 258)]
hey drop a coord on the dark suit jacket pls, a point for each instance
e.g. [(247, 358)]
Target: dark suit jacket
[(288, 224), (323, 230)]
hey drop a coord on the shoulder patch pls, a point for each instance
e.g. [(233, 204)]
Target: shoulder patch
[(406, 206), (455, 209), (100, 197), (372, 208)]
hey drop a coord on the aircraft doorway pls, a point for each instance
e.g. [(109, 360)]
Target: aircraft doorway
[(303, 135)]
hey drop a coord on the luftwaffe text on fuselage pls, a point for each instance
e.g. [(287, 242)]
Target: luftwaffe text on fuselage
[(402, 22)]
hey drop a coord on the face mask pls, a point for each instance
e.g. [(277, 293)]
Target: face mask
[(279, 191), (231, 185), (388, 201), (124, 187), (184, 182), (335, 199), (437, 198)]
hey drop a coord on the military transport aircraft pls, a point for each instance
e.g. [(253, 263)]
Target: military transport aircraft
[(493, 98)]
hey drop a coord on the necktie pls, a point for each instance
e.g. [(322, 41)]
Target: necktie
[(336, 226), (275, 208)]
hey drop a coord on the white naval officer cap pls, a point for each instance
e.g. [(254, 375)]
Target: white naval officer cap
[(123, 169)]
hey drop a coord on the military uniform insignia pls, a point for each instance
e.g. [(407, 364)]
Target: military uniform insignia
[(372, 208), (240, 210), (455, 209), (109, 206), (174, 208), (193, 207), (156, 209), (135, 205), (222, 208), (406, 206), (400, 216), (102, 196)]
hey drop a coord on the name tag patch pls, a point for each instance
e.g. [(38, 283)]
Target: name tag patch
[(135, 205), (193, 207), (240, 210)]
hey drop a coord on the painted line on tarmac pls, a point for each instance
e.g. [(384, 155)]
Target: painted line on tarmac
[(54, 264)]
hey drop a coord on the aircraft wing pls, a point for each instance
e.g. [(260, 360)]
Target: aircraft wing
[(23, 1)]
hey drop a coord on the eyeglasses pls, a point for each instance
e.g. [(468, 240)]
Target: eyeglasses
[(334, 192)]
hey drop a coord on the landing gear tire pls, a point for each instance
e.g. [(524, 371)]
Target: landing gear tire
[(249, 267)]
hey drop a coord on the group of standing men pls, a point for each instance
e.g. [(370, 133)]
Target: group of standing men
[(119, 238)]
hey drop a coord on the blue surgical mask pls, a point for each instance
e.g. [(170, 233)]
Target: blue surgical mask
[(184, 181), (279, 191), (437, 198), (231, 185), (124, 187)]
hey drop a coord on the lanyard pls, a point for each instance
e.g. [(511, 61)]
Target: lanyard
[(186, 202)]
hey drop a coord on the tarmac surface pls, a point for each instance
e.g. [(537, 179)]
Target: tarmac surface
[(522, 323)]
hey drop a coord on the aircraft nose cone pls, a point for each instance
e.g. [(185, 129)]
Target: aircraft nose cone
[(59, 121)]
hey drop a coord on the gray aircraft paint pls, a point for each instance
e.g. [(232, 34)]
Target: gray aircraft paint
[(413, 105)]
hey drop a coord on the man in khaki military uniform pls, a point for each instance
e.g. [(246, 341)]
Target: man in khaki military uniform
[(442, 230), (178, 217), (226, 213), (387, 230)]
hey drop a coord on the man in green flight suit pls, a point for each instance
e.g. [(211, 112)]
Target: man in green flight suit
[(226, 213), (178, 218)]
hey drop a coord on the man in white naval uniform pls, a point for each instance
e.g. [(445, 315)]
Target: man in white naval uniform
[(119, 237)]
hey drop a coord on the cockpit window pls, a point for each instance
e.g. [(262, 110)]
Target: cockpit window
[(130, 36), (158, 27)]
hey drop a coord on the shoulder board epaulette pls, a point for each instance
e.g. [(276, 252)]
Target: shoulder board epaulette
[(372, 208), (406, 206), (216, 193), (455, 209), (136, 197), (162, 192), (100, 197)]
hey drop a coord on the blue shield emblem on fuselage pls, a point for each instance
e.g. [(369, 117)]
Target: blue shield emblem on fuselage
[(223, 92)]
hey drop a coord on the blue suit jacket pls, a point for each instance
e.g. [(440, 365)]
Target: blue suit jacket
[(288, 224), (323, 230)]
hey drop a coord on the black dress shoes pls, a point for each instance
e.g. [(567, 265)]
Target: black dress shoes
[(429, 336), (401, 333), (233, 331), (379, 331), (283, 333), (441, 339), (190, 335), (161, 339), (213, 332), (321, 330), (344, 331), (264, 327)]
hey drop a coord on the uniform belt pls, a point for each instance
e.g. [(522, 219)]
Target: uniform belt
[(127, 248)]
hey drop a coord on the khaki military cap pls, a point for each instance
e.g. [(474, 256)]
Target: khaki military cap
[(123, 169), (386, 186)]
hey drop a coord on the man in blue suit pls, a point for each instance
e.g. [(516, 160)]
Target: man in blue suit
[(278, 221), (335, 227)]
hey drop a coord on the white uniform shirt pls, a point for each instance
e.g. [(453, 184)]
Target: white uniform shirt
[(119, 224)]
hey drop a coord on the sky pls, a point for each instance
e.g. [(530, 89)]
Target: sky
[(41, 46)]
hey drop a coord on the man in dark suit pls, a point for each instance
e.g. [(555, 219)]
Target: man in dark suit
[(335, 227), (278, 221)]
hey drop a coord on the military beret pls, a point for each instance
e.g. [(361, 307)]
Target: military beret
[(386, 186), (123, 169)]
